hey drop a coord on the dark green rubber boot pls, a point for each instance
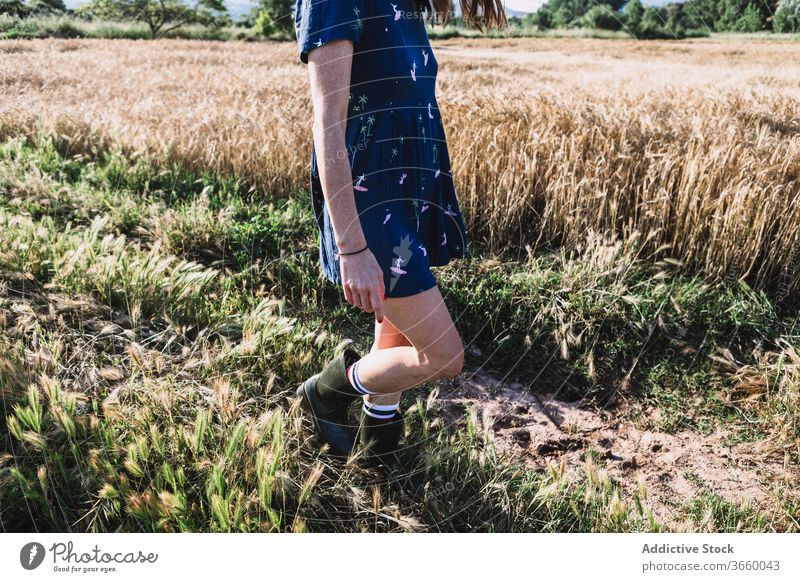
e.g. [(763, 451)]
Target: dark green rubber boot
[(380, 440), (326, 397)]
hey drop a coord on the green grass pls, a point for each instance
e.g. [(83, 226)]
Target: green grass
[(153, 324), (713, 514)]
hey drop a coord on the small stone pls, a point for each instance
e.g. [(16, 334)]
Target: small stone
[(522, 437), (630, 463)]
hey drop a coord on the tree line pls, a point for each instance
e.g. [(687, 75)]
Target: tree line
[(674, 20), (267, 17), (271, 17)]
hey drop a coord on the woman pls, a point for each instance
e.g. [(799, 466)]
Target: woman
[(386, 208)]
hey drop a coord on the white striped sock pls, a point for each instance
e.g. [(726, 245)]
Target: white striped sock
[(356, 381), (384, 407), (381, 411)]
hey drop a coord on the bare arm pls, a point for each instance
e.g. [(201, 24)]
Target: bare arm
[(329, 74)]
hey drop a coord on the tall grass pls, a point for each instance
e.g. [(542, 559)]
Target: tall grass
[(154, 322)]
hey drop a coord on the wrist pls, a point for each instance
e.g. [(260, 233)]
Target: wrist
[(350, 246), (353, 252)]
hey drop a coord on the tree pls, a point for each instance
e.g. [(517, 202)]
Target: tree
[(274, 16), (602, 17), (742, 15), (634, 11), (542, 19), (675, 19), (562, 17), (99, 10), (752, 20), (652, 24), (565, 13), (787, 16), (47, 6), (702, 14), (161, 16), (14, 8)]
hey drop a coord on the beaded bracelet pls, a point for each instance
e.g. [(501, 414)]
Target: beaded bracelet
[(354, 252)]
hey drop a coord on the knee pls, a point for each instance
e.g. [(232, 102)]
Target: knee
[(447, 363), (456, 363)]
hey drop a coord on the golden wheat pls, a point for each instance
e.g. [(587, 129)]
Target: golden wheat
[(693, 146)]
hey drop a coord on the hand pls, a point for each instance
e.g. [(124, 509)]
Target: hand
[(362, 280)]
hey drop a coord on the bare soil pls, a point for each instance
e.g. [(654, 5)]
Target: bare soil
[(539, 429)]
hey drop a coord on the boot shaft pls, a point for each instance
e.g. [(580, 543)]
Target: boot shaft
[(380, 440), (332, 384), (380, 437)]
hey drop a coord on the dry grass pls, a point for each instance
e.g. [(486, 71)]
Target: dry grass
[(694, 145)]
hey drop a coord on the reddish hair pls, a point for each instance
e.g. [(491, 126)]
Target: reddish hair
[(478, 14)]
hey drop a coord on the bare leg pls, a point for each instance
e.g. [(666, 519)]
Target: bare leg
[(436, 350), (386, 336)]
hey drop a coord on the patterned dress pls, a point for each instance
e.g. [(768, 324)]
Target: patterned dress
[(395, 140)]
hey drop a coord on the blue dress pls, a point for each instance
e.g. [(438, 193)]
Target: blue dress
[(402, 182)]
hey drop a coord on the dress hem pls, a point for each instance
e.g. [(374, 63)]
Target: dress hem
[(338, 280)]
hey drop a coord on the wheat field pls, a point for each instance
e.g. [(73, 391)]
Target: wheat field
[(693, 146)]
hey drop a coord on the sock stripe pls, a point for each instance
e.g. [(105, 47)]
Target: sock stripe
[(351, 377), (379, 414), (357, 382), (382, 407)]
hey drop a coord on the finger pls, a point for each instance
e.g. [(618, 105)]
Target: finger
[(366, 301), (357, 298), (348, 293), (381, 287), (377, 304)]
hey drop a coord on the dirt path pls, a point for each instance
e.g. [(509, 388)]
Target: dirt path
[(675, 468)]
